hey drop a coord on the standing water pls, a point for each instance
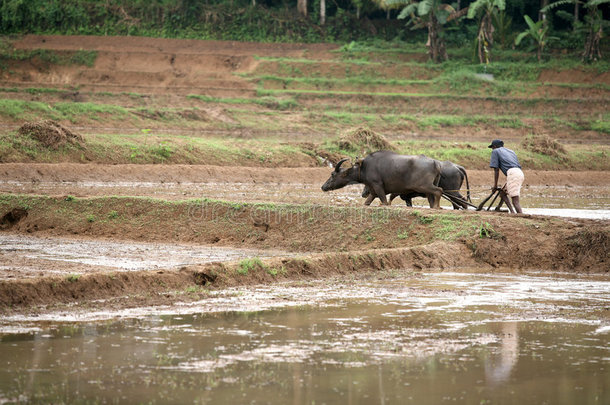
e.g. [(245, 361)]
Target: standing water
[(397, 339)]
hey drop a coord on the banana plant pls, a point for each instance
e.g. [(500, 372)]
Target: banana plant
[(484, 10), (503, 28), (432, 14), (594, 25), (539, 34)]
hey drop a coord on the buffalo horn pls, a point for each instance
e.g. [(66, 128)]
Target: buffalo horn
[(339, 163)]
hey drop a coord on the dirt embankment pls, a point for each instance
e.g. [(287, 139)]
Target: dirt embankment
[(330, 240)]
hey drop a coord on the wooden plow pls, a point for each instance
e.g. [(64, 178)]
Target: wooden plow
[(498, 192)]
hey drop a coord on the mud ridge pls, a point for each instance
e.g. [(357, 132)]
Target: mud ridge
[(191, 283), (165, 286)]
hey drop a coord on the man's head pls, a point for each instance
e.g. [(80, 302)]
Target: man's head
[(496, 143)]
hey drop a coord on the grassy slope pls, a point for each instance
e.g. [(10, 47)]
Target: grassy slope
[(272, 152), (381, 88)]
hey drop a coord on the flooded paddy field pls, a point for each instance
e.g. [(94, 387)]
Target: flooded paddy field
[(400, 326), (25, 256), (385, 333), (397, 337)]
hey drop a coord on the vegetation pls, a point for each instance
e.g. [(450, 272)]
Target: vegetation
[(143, 148), (72, 278), (592, 26), (248, 265), (538, 32), (485, 11), (431, 14), (428, 21), (376, 83)]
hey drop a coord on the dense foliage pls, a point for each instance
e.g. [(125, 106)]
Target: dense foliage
[(208, 19), (281, 20)]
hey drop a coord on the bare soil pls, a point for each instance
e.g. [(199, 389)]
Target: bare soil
[(154, 74), (76, 172), (330, 242)]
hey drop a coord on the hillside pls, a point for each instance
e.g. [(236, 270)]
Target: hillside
[(294, 93)]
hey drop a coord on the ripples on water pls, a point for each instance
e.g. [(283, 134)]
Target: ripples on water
[(403, 338)]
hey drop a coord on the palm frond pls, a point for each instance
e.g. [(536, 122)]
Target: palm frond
[(424, 7), (407, 11), (393, 3), (530, 22), (520, 37), (555, 5), (459, 14), (595, 3), (473, 9)]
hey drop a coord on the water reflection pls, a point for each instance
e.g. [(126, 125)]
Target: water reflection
[(499, 365), (434, 338)]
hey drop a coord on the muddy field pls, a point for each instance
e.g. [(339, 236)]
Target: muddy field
[(235, 279), (154, 233), (69, 228), (383, 337)]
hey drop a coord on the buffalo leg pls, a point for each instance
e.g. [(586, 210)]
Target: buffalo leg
[(380, 192), (436, 192)]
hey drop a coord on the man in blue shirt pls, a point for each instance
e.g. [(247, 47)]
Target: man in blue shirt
[(506, 160)]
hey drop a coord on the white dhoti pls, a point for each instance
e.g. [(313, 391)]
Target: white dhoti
[(514, 180)]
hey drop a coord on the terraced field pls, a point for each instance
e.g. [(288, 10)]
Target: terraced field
[(195, 134), (296, 92)]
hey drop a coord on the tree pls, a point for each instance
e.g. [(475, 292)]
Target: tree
[(593, 26), (431, 14), (322, 12), (538, 33), (302, 7), (485, 11), (384, 5), (503, 28)]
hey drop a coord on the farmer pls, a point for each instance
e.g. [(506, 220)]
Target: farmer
[(506, 160)]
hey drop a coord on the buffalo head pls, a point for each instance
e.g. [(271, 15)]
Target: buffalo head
[(342, 177)]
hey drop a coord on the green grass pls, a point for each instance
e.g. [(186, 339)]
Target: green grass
[(275, 271), (248, 265), (486, 230), (602, 125), (25, 110), (333, 82), (404, 234), (74, 112), (73, 278), (451, 227), (151, 148), (49, 57), (265, 101)]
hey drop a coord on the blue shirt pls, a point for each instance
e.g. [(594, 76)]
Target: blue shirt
[(503, 159)]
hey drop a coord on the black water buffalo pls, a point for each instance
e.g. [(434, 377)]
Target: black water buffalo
[(386, 172), (452, 177)]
